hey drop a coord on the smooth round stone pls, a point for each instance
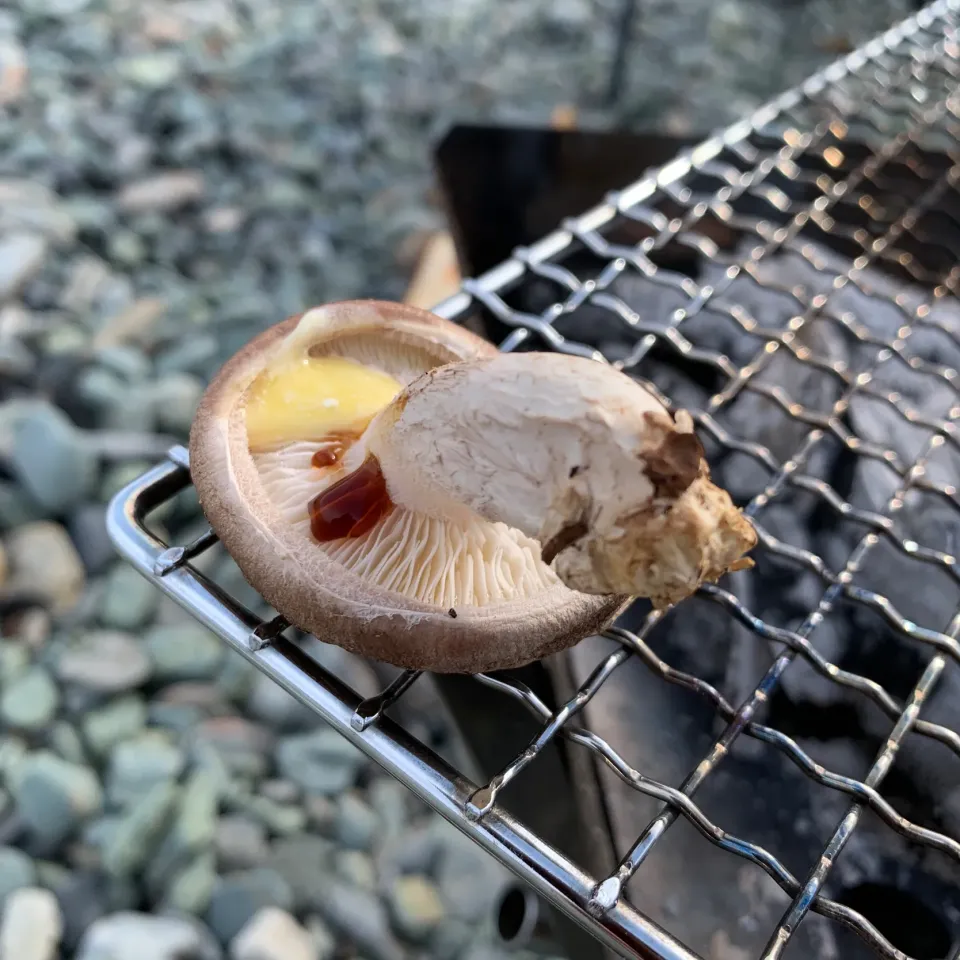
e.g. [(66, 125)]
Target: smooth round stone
[(321, 762), (129, 599), (241, 843), (390, 799), (104, 661), (52, 459), (89, 213), (192, 887), (134, 413), (415, 906), (321, 814), (30, 702), (165, 191), (104, 392), (98, 834), (22, 254), (236, 677), (31, 925), (126, 247), (12, 413), (32, 627), (13, 751), (51, 875), (183, 652), (82, 900), (138, 765), (114, 722), (243, 745), (191, 833), (272, 934), (115, 478), (88, 530), (17, 871), (303, 862), (121, 894), (138, 833), (195, 826), (451, 940), (16, 360), (356, 825), (176, 717), (64, 340), (54, 796), (44, 561), (356, 868), (269, 702), (175, 397), (280, 791), (128, 935), (28, 203), (361, 917), (127, 362), (192, 355), (239, 896), (16, 507), (66, 742), (277, 818), (14, 660), (471, 880), (151, 70), (54, 8), (324, 942), (281, 193), (204, 757)]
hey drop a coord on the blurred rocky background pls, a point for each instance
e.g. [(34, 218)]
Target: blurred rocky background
[(174, 176)]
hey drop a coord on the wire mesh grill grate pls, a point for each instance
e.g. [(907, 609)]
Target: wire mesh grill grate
[(791, 283)]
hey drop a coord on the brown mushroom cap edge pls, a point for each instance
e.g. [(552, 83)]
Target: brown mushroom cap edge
[(314, 592)]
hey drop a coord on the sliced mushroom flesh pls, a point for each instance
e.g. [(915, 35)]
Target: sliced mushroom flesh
[(306, 414), (527, 498)]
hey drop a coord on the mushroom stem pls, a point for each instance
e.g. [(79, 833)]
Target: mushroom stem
[(573, 453)]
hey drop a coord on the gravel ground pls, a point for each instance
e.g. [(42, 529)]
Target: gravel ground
[(174, 176)]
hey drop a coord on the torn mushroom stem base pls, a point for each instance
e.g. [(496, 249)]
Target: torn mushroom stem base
[(572, 453)]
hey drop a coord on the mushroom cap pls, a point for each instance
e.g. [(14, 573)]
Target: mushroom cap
[(312, 589)]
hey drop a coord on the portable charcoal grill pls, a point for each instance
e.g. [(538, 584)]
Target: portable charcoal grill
[(791, 282)]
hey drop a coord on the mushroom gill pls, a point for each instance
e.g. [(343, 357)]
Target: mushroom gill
[(304, 415), (571, 453), (390, 482), (444, 562)]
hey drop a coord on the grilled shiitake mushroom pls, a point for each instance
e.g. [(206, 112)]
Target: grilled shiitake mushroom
[(391, 483)]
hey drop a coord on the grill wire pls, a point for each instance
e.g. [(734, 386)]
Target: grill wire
[(862, 157)]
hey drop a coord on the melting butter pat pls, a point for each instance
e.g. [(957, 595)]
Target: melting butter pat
[(311, 397)]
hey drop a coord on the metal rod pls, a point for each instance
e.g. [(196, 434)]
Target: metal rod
[(555, 878)]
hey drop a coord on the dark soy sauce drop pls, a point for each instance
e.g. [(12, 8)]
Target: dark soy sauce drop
[(352, 505), (327, 456), (337, 444)]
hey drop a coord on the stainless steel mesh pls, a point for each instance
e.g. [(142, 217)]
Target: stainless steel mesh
[(854, 181)]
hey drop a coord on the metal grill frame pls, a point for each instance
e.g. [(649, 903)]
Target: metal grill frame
[(904, 57)]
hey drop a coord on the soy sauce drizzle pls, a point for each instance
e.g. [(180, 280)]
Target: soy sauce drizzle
[(336, 445), (351, 506)]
